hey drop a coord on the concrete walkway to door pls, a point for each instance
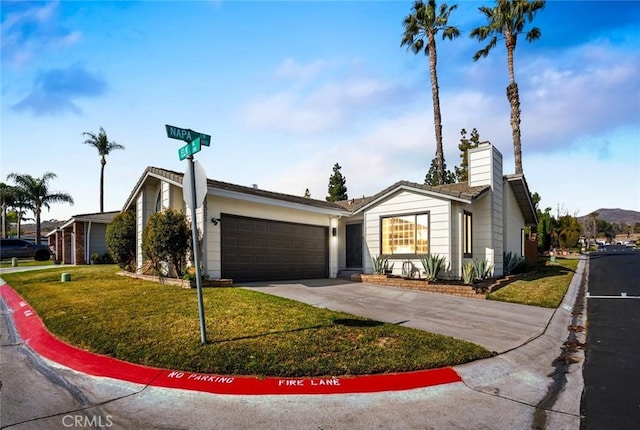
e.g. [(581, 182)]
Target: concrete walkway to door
[(497, 326)]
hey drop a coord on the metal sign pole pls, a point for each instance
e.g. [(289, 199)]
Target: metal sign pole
[(196, 256)]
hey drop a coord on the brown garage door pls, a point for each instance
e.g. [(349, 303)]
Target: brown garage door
[(263, 250)]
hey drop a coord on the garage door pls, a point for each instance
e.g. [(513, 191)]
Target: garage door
[(263, 250)]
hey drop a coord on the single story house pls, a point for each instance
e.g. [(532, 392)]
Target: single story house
[(81, 236), (251, 234)]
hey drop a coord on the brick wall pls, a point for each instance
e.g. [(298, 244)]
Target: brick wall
[(422, 285), (78, 240)]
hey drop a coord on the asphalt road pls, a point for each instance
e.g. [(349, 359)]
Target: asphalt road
[(611, 399)]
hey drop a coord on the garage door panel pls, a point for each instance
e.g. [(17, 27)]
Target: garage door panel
[(256, 249)]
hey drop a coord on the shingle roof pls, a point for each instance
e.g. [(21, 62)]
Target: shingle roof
[(176, 177), (459, 191)]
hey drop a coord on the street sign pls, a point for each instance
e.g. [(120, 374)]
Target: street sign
[(187, 135), (194, 190), (189, 149), (200, 185)]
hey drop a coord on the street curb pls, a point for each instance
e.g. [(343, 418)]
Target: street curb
[(36, 336)]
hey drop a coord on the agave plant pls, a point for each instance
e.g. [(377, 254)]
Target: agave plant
[(512, 263), (432, 264), (468, 273), (483, 269), (380, 264)]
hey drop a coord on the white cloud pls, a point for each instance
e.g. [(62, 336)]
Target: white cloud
[(29, 28), (291, 69), (324, 107)]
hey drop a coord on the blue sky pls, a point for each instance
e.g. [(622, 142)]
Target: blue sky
[(287, 89)]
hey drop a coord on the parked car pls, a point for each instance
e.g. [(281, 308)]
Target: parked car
[(19, 248)]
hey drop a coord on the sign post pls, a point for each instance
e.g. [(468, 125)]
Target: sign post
[(194, 144)]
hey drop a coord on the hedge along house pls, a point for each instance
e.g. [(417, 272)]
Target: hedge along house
[(251, 234), (79, 237)]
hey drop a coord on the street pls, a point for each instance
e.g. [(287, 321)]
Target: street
[(611, 399)]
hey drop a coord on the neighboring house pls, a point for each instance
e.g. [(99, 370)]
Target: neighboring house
[(81, 236), (251, 234)]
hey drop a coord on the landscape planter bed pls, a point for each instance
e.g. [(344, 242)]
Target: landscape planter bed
[(478, 290), (184, 283)]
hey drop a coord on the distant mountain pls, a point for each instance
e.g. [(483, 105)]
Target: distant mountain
[(618, 216)]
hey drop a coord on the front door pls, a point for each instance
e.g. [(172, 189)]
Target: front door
[(354, 246)]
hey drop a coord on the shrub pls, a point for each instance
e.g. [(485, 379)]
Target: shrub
[(468, 273), (95, 258), (483, 269), (120, 239), (380, 264), (165, 239), (432, 264), (512, 263)]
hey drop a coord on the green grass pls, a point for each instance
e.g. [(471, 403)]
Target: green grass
[(25, 262), (545, 287), (249, 333)]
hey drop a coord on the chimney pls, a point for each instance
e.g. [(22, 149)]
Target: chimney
[(485, 166)]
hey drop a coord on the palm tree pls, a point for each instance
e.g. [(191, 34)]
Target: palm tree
[(7, 197), (507, 20), (104, 147), (37, 194), (425, 21)]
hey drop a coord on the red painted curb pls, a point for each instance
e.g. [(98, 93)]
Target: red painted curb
[(33, 332)]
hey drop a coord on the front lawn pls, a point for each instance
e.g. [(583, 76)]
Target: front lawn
[(545, 287), (249, 333)]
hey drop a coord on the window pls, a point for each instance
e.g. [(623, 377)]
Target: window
[(467, 233), (158, 206), (406, 234)]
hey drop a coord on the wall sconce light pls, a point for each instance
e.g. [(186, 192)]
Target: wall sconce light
[(334, 232), (215, 221)]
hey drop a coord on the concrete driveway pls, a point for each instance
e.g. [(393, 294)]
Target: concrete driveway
[(497, 326)]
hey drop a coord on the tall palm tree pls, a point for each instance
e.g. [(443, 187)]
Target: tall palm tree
[(507, 20), (38, 195), (104, 146), (425, 21)]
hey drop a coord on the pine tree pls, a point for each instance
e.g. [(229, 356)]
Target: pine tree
[(432, 175), (337, 185), (462, 172)]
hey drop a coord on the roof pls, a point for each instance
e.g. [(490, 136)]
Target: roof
[(97, 217), (458, 191), (226, 187), (523, 198)]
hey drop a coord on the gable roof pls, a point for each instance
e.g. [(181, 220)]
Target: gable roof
[(226, 189), (97, 217), (459, 191), (523, 198)]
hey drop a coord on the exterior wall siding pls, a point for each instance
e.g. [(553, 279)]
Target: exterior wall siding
[(97, 243), (513, 223), (485, 168), (407, 202)]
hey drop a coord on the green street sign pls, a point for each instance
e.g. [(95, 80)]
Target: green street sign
[(187, 135), (190, 149)]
